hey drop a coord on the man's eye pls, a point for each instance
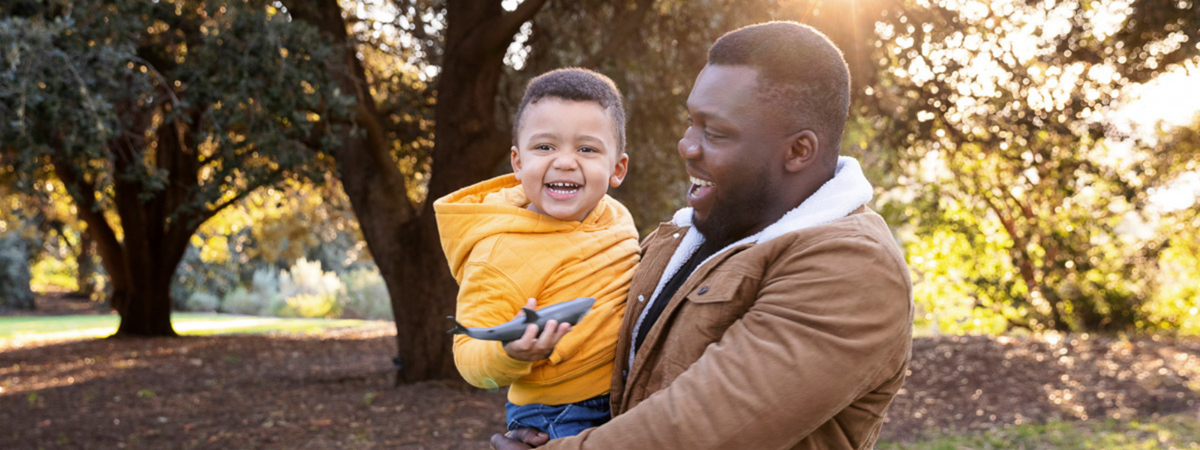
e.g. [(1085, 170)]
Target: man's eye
[(711, 135)]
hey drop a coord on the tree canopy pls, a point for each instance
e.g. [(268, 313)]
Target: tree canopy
[(155, 116), (992, 131), (997, 121)]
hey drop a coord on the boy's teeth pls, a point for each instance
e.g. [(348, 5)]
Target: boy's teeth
[(699, 182), (563, 188)]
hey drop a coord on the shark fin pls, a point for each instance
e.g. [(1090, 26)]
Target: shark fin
[(530, 315), (458, 328)]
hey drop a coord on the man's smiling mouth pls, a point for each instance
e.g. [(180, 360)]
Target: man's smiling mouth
[(700, 189)]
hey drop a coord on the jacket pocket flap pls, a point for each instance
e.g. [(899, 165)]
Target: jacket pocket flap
[(716, 289)]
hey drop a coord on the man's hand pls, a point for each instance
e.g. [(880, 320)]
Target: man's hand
[(531, 347), (520, 438)]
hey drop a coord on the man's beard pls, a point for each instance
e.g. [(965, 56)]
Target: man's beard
[(734, 215)]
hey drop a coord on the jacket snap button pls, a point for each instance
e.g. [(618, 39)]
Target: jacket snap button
[(641, 298), (703, 290), (676, 235)]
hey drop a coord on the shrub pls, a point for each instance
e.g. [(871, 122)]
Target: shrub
[(202, 301), (265, 281), (54, 274), (307, 278), (365, 295), (311, 306), (195, 275), (14, 274), (261, 299), (308, 291), (241, 301)]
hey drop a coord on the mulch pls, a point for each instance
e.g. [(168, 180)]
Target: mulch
[(333, 391), (961, 383)]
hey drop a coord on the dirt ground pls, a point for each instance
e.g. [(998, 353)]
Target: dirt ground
[(333, 391), (60, 304)]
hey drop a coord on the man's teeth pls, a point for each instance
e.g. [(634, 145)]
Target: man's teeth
[(702, 183)]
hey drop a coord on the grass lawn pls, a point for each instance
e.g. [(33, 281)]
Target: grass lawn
[(1181, 431), (54, 328)]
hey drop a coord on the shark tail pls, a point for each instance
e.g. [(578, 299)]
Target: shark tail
[(458, 327)]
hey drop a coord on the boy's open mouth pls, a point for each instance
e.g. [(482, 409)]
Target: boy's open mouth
[(562, 190)]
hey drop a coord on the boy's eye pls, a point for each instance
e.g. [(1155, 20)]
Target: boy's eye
[(543, 147), (588, 150)]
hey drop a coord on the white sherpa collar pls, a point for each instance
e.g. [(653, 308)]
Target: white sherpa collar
[(847, 191), (837, 198)]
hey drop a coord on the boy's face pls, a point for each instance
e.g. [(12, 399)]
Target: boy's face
[(567, 155)]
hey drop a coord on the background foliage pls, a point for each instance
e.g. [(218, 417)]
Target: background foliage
[(998, 134)]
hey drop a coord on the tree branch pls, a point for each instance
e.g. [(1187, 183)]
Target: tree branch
[(506, 26), (84, 196), (628, 22), (262, 182), (418, 25)]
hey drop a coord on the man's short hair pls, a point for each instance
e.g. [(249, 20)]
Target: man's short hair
[(801, 72), (575, 84)]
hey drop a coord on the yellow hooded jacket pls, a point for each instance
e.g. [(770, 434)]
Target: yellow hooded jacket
[(502, 254)]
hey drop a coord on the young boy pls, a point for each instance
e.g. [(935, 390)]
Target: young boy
[(547, 234)]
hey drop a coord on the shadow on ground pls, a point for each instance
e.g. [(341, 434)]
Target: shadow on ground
[(334, 391), (232, 392)]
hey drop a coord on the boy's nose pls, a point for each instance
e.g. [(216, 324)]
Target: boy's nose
[(565, 161)]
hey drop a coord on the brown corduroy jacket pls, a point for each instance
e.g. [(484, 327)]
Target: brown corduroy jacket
[(798, 342)]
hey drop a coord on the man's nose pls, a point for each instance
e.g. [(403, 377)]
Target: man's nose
[(688, 147)]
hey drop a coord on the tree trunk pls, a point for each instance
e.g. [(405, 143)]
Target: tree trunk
[(146, 309), (140, 266), (87, 266), (402, 237), (424, 297)]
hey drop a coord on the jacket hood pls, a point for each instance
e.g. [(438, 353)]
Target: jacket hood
[(497, 206)]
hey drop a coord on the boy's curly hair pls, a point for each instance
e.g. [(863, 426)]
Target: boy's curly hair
[(574, 84)]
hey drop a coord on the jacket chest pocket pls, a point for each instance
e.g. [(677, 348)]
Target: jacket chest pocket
[(705, 313)]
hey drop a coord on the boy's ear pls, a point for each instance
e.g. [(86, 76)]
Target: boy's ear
[(620, 170), (803, 151), (515, 159)]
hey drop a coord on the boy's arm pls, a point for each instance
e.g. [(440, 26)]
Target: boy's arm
[(604, 321), (487, 297), (599, 325)]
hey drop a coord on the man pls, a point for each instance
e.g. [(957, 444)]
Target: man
[(776, 311)]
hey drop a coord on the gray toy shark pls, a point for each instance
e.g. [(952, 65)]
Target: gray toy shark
[(570, 312)]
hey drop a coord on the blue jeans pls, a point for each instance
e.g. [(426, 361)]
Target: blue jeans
[(560, 420)]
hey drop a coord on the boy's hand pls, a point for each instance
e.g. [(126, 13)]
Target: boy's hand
[(532, 347)]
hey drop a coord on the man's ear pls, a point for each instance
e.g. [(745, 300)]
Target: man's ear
[(804, 151), (515, 159), (619, 171)]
